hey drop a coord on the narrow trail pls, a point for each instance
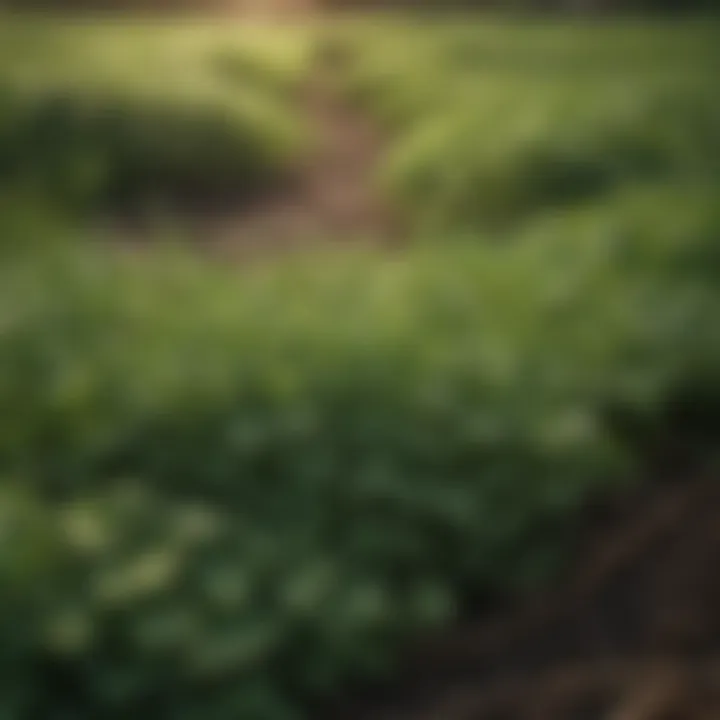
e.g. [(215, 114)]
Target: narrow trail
[(332, 199)]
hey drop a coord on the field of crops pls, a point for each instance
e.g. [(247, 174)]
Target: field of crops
[(233, 492)]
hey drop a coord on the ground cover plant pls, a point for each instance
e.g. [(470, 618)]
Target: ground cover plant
[(232, 493)]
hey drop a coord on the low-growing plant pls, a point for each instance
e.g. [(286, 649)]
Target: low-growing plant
[(230, 494), (258, 485)]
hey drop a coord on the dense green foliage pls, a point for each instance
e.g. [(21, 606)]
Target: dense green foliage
[(500, 122), (92, 112), (228, 494)]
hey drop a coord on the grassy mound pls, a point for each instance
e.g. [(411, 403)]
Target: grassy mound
[(496, 122), (97, 112)]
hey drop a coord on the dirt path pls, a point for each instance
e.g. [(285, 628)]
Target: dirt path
[(332, 198)]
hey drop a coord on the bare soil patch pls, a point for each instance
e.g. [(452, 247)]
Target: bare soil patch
[(331, 199), (635, 635)]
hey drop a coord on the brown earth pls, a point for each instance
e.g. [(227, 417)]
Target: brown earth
[(634, 636), (333, 198)]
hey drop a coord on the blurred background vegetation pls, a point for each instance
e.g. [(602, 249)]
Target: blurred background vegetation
[(229, 492)]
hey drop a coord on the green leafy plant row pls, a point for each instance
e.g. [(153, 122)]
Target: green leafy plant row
[(230, 495)]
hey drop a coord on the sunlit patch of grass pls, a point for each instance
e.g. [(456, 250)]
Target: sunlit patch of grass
[(148, 106)]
